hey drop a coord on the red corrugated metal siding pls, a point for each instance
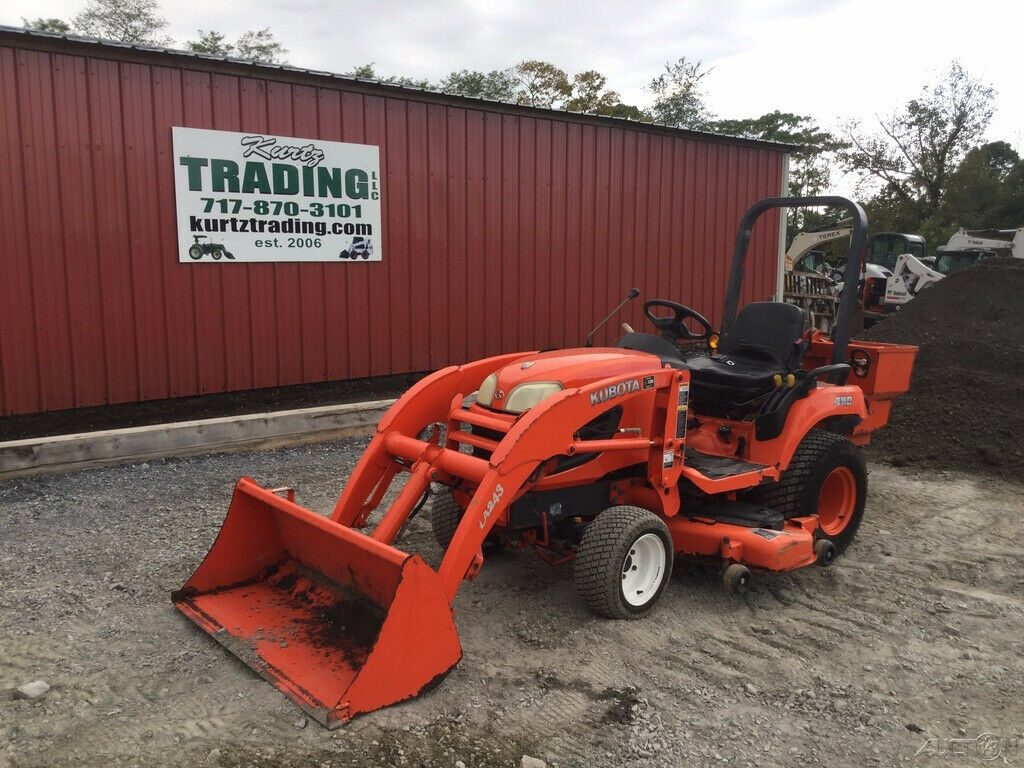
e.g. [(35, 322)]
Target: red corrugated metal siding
[(501, 232)]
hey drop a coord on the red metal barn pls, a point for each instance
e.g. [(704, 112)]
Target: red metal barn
[(504, 228)]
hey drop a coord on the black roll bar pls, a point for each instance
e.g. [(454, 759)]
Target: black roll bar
[(848, 296)]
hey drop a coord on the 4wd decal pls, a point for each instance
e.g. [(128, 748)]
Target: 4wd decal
[(614, 390), (844, 400)]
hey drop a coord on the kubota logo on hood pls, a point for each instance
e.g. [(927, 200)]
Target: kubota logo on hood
[(614, 390)]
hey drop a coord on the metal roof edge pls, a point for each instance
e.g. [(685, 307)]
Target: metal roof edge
[(77, 44)]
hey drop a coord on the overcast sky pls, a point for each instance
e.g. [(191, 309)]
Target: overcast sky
[(829, 58)]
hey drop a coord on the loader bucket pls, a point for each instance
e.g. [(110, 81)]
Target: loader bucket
[(339, 622)]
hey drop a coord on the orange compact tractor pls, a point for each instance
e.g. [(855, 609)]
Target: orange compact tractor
[(619, 459)]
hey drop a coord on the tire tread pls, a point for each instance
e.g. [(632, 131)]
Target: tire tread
[(444, 514), (597, 567), (792, 493)]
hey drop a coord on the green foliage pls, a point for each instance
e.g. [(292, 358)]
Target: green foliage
[(679, 95), (412, 82), (533, 83), (909, 157), (211, 43), (57, 26), (810, 160), (260, 45), (629, 112), (590, 95), (130, 21), (365, 71), (926, 170), (498, 84), (139, 21), (985, 191), (541, 84)]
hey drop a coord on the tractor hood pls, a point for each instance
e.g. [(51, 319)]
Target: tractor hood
[(567, 368)]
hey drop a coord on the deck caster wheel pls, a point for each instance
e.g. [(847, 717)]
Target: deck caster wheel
[(736, 578), (825, 551)]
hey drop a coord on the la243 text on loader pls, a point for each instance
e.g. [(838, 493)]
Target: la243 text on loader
[(618, 458)]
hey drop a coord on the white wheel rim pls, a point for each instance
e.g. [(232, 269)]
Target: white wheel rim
[(643, 569)]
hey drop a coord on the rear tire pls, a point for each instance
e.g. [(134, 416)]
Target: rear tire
[(828, 478), (624, 562)]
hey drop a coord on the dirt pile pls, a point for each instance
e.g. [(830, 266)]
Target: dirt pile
[(965, 408)]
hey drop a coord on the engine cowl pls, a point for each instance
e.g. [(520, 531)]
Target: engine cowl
[(570, 368)]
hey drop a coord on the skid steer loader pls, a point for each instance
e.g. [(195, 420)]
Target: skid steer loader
[(617, 458)]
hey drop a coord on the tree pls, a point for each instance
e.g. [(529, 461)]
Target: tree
[(678, 94), (57, 26), (365, 71), (411, 82), (534, 83), (810, 160), (210, 42), (498, 84), (909, 157), (590, 95), (542, 84), (369, 72), (629, 112), (260, 45), (130, 21), (985, 192)]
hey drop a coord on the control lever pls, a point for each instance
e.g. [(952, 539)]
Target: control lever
[(633, 293)]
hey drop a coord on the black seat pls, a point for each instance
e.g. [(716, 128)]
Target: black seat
[(762, 342)]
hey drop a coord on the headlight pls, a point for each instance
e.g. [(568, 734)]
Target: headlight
[(486, 392), (525, 396)]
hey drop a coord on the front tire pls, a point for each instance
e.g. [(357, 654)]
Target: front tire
[(445, 515), (624, 562), (827, 478)]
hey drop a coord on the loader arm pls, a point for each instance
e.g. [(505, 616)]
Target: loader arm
[(543, 432), (550, 429), (426, 402)]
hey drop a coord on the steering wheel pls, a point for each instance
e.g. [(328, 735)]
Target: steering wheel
[(672, 326)]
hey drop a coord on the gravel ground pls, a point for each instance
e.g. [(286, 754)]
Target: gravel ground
[(917, 633)]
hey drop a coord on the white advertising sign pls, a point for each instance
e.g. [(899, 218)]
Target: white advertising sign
[(256, 197)]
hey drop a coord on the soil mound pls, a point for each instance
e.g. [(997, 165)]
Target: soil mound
[(965, 408)]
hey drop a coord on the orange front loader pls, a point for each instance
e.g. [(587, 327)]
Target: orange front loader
[(619, 459), (342, 621)]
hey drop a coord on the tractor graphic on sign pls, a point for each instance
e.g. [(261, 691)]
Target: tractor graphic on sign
[(359, 248), (197, 250)]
